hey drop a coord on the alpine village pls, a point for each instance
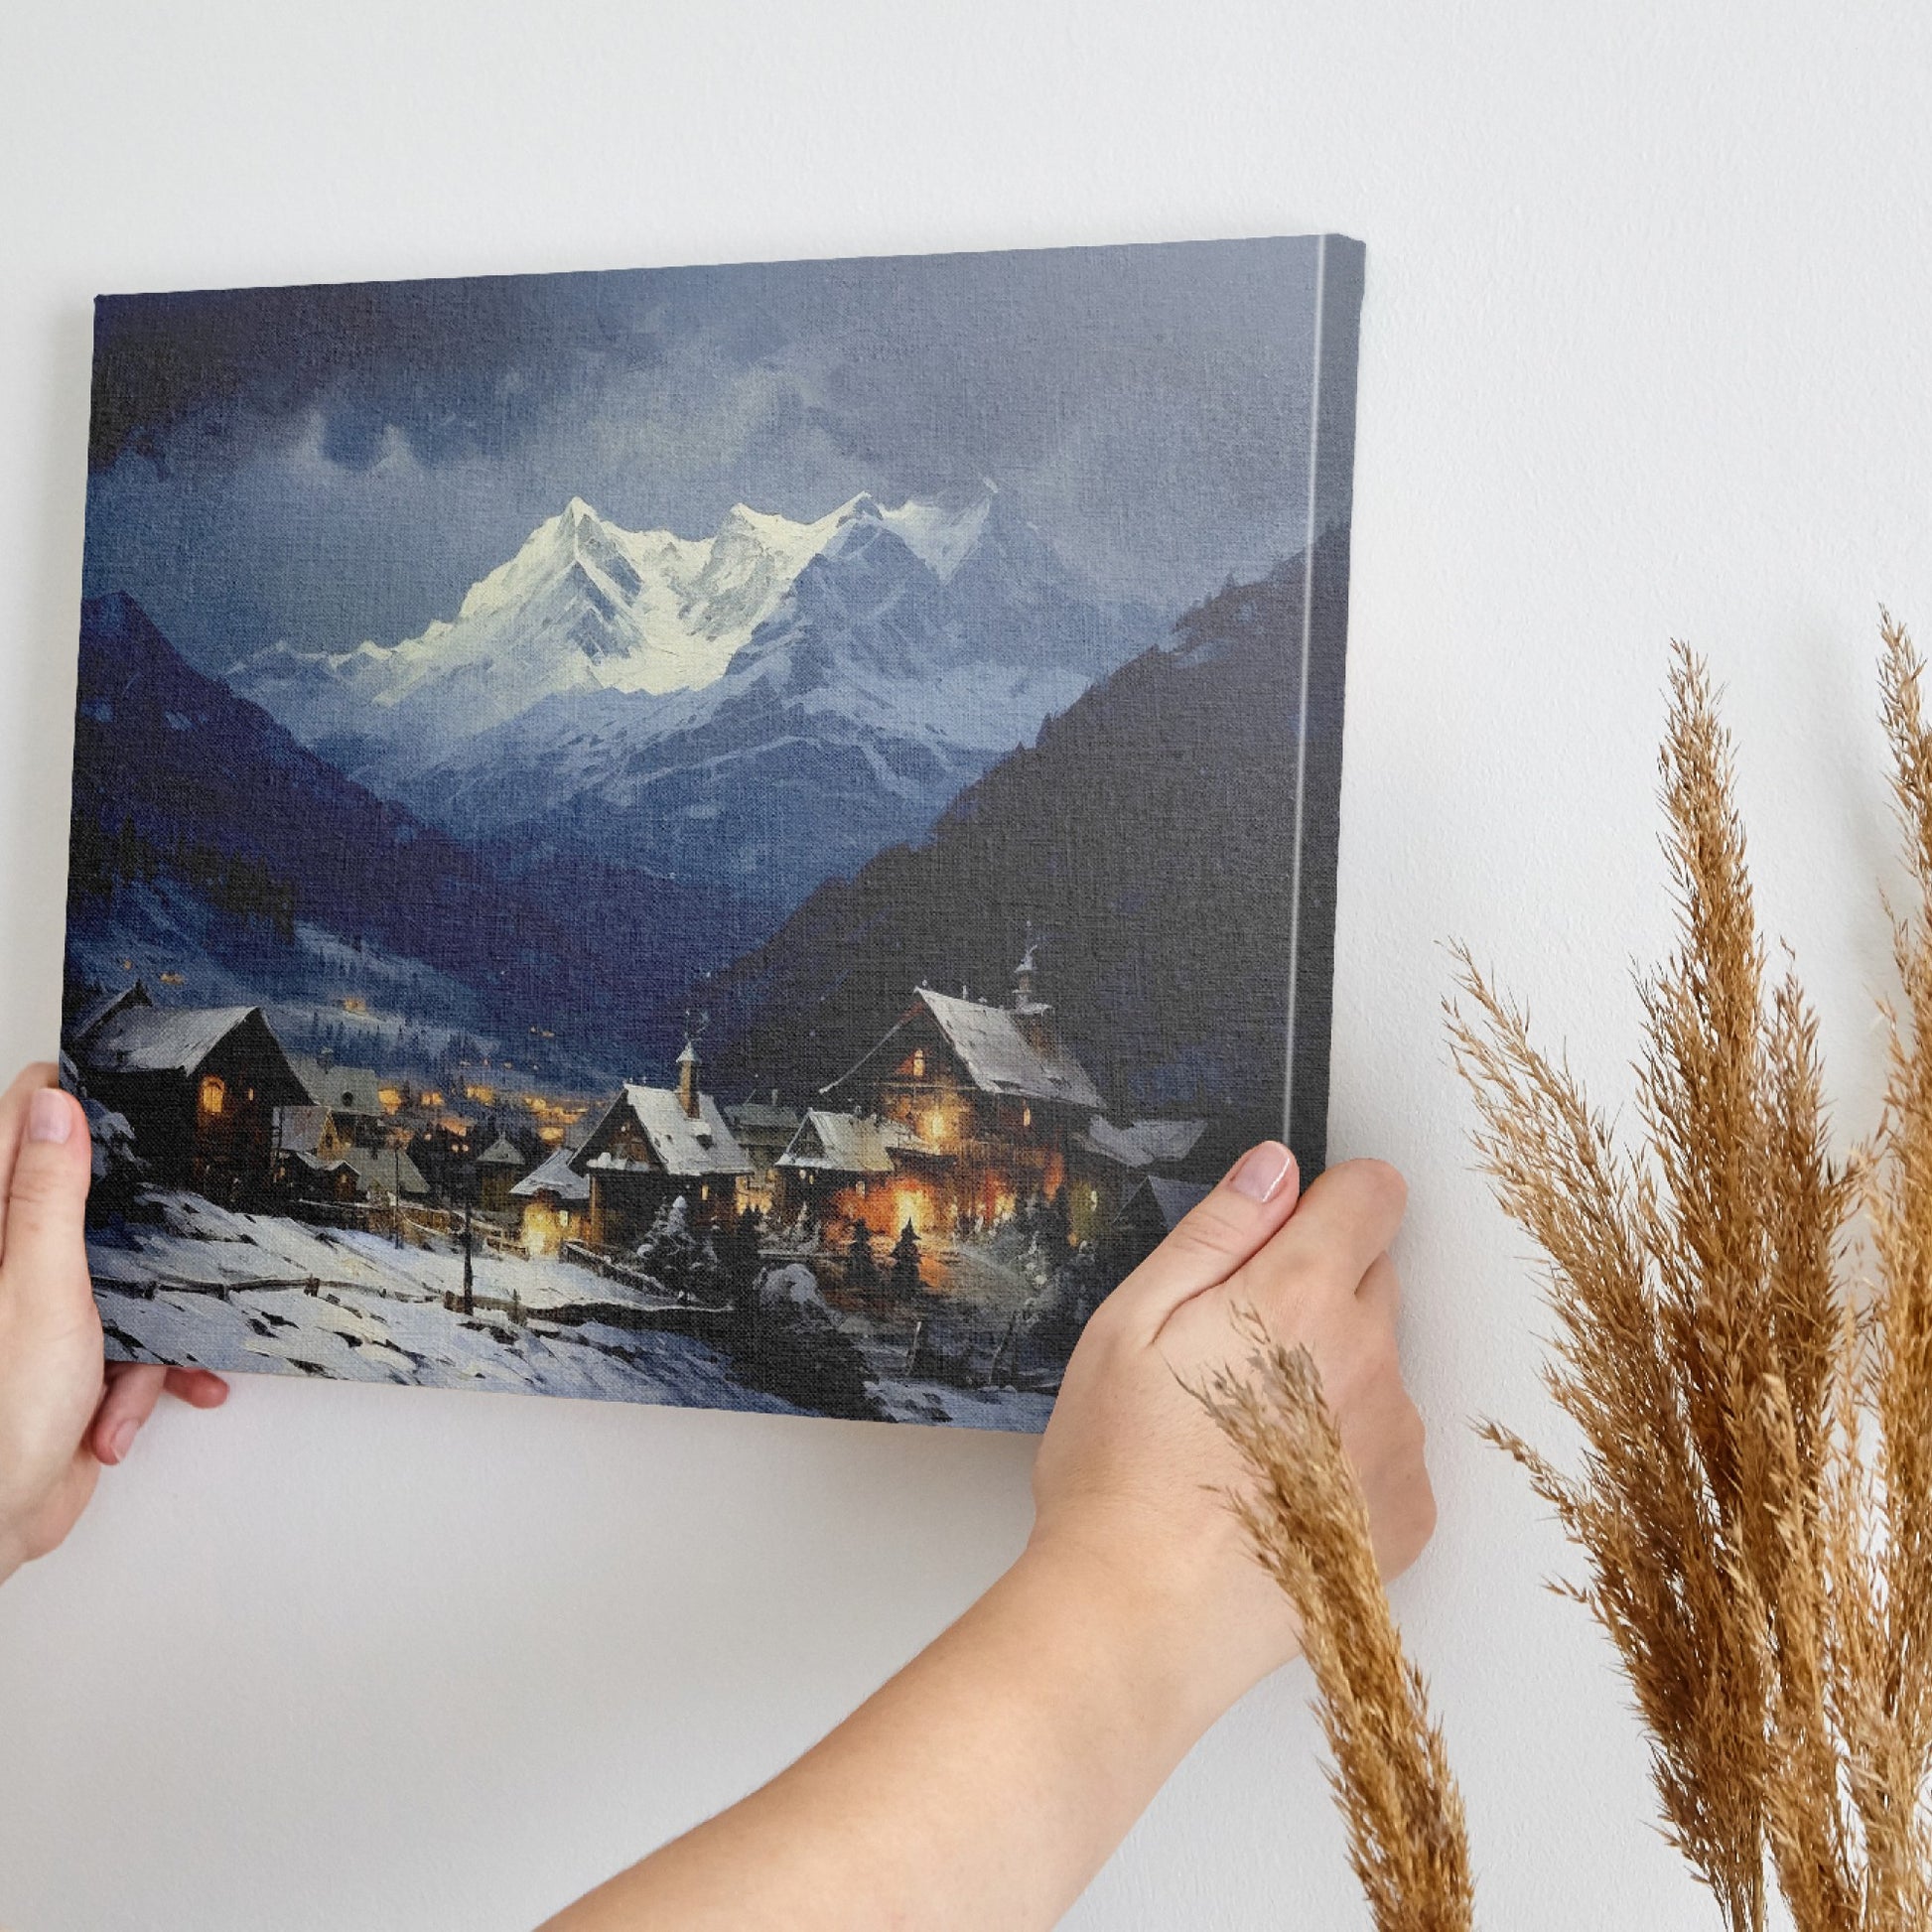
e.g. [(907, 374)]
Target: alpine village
[(923, 1238), (451, 1014)]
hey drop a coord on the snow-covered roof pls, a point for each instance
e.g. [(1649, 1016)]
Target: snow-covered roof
[(103, 1007), (756, 1114), (347, 1089), (1144, 1142), (381, 1170), (301, 1130), (683, 1147), (830, 1142), (502, 1152), (1173, 1198), (554, 1175), (1001, 1057), (160, 1039), (314, 1163)]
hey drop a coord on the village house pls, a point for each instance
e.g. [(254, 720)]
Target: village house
[(386, 1174), (653, 1145), (845, 1167), (311, 1153), (498, 1168), (198, 1086), (353, 1094), (555, 1201), (963, 1112), (764, 1130), (1109, 1159), (995, 1098)]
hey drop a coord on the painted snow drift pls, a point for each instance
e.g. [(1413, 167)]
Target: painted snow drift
[(745, 837)]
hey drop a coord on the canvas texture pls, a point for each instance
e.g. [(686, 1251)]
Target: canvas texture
[(747, 837)]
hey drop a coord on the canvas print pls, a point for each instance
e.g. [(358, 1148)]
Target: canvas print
[(741, 836)]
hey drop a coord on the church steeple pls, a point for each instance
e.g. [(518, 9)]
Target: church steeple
[(1023, 977)]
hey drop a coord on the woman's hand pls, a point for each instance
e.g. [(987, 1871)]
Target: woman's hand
[(1042, 1721), (1130, 1480), (63, 1411)]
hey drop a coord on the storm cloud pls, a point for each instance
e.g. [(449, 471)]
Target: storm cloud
[(332, 463)]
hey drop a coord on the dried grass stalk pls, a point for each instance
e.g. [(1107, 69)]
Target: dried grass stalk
[(1754, 1494), (1308, 1523)]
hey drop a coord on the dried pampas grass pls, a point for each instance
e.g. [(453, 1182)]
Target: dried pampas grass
[(1753, 1390), (1309, 1524), (1754, 1498)]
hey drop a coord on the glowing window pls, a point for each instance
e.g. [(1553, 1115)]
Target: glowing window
[(213, 1092), (919, 1062), (1026, 1116)]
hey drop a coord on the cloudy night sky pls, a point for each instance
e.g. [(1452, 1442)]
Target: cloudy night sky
[(327, 464)]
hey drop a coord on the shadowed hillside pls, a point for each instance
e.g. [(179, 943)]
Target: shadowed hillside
[(1145, 840)]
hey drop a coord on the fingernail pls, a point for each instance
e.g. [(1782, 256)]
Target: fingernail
[(48, 1117), (1262, 1171), (122, 1439)]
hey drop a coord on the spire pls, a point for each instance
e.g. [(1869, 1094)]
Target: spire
[(1023, 977), (687, 1080)]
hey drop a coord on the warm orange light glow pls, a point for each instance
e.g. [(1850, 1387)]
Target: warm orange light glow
[(544, 1229), (392, 1098), (913, 1207), (215, 1093), (486, 1096)]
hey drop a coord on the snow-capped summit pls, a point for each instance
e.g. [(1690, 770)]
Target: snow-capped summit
[(909, 645), (583, 605)]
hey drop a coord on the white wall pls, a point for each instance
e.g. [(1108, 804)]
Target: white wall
[(1644, 352)]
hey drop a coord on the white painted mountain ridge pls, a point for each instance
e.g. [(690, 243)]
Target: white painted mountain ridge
[(760, 707)]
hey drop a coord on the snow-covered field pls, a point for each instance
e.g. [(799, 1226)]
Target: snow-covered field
[(206, 1287)]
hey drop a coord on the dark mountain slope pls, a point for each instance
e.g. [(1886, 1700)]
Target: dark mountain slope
[(186, 764), (1146, 837)]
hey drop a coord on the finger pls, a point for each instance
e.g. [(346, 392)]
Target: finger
[(200, 1388), (43, 1265), (128, 1403), (1345, 1218), (13, 1126), (1380, 1292), (1212, 1241)]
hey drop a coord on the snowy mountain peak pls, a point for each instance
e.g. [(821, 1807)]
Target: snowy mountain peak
[(861, 604)]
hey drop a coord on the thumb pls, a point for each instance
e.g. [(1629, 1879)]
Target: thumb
[(43, 1265), (1235, 1220)]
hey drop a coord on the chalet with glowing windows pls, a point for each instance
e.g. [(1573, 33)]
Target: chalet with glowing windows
[(554, 1204), (653, 1145), (992, 1099), (963, 1112), (845, 1167), (200, 1086)]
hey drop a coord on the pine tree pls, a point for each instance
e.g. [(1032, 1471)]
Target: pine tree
[(861, 1268), (906, 1262)]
